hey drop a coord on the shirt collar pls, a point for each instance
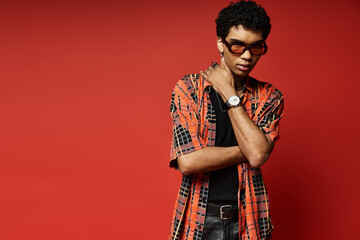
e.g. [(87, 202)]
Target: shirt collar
[(247, 83), (206, 84)]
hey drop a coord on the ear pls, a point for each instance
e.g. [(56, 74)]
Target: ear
[(220, 45)]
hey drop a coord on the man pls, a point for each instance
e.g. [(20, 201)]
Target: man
[(225, 124)]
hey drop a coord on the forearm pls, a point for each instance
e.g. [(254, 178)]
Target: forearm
[(253, 143), (209, 159), (251, 140)]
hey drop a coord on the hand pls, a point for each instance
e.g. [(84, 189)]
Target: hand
[(221, 79)]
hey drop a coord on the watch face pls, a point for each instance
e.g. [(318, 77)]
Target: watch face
[(234, 100)]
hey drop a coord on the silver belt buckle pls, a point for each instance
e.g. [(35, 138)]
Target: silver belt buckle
[(222, 213)]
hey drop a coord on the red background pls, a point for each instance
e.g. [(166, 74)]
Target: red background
[(85, 124)]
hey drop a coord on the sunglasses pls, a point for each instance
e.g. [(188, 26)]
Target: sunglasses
[(258, 48)]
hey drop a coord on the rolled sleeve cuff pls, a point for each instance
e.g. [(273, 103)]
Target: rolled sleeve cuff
[(181, 150), (274, 135)]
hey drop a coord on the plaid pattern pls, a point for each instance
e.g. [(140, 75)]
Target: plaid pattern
[(194, 126)]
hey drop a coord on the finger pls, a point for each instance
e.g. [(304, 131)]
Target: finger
[(209, 70), (203, 75)]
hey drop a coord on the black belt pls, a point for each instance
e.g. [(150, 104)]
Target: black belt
[(225, 212)]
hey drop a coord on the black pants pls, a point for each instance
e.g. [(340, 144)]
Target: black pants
[(217, 229)]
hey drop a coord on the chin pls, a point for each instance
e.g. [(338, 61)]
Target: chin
[(240, 73)]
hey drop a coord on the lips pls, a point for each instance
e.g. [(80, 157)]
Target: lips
[(243, 67)]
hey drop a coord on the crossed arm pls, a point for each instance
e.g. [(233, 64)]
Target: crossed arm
[(253, 146)]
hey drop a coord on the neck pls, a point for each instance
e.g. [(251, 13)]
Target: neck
[(239, 81)]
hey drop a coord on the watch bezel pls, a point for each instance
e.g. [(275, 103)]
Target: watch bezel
[(228, 105), (232, 99)]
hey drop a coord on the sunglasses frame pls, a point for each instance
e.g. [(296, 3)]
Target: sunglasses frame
[(229, 45)]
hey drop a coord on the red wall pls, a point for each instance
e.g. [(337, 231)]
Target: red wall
[(85, 125)]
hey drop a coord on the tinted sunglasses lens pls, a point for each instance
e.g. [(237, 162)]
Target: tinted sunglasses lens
[(237, 48), (258, 50)]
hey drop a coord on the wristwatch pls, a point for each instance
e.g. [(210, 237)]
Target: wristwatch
[(233, 101)]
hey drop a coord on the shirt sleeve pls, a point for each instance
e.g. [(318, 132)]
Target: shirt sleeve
[(271, 113), (185, 123)]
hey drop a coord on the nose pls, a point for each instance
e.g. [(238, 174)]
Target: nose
[(246, 55)]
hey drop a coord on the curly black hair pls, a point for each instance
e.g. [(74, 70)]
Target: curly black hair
[(246, 13)]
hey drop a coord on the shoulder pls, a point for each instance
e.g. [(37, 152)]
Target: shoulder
[(188, 82), (193, 83), (265, 88), (189, 86)]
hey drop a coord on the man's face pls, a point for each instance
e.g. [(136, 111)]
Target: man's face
[(240, 64)]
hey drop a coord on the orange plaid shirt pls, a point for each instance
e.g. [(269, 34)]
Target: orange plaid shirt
[(194, 127)]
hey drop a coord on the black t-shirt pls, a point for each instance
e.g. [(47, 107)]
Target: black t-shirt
[(224, 183)]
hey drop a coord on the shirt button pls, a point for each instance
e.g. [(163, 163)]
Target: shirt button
[(199, 227)]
